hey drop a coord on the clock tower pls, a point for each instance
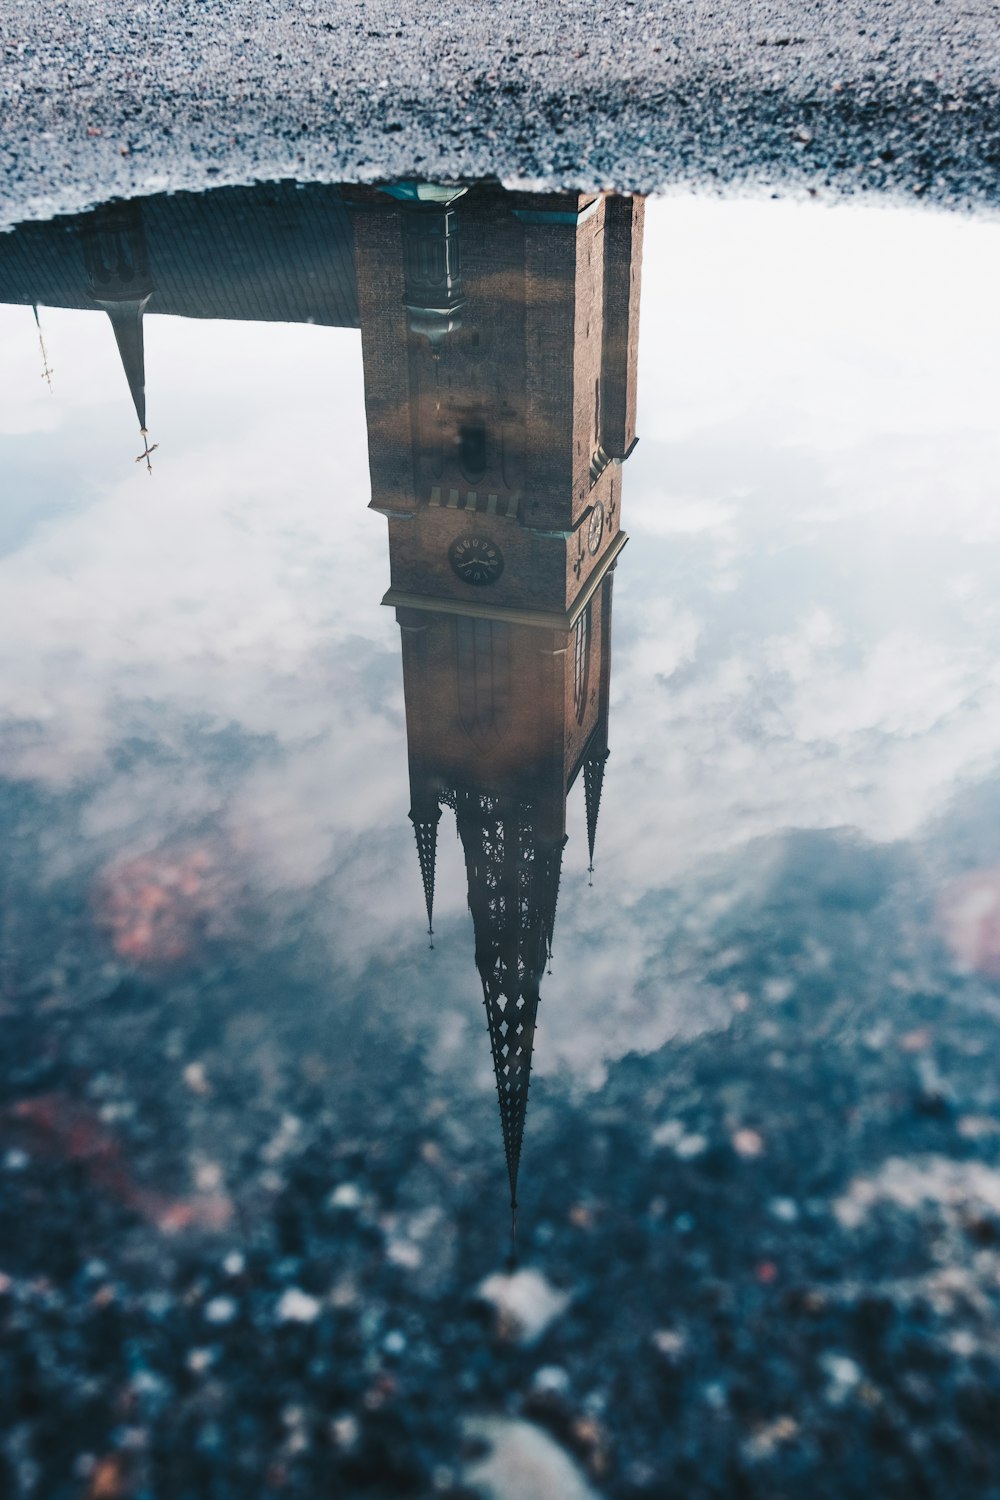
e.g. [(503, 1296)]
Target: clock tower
[(499, 333)]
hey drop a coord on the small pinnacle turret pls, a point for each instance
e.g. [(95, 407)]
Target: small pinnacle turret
[(425, 829), (593, 784)]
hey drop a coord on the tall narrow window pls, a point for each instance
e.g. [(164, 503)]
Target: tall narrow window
[(483, 679), (472, 450), (581, 664)]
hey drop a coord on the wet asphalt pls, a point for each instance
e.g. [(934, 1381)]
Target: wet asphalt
[(108, 98)]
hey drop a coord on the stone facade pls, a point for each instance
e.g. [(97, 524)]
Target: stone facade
[(499, 335)]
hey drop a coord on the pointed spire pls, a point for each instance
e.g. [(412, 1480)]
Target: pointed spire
[(593, 783), (513, 889), (425, 829), (126, 321)]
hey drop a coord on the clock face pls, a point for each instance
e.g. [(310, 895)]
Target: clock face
[(596, 529), (475, 559)]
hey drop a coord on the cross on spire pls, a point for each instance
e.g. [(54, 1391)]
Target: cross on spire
[(147, 451), (47, 371)]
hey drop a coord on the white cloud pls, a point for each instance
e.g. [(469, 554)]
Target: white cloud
[(806, 619)]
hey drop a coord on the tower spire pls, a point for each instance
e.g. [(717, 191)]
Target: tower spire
[(126, 324), (593, 784), (425, 829), (513, 880)]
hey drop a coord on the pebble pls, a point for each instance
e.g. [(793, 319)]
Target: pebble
[(769, 1437), (402, 1252), (220, 1310), (345, 1431), (295, 1306), (284, 1139), (748, 1144), (714, 1395), (686, 1145), (526, 1304), (843, 1375), (194, 1077), (521, 1463), (346, 1196), (669, 1343)]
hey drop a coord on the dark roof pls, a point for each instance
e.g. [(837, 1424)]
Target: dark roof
[(274, 253)]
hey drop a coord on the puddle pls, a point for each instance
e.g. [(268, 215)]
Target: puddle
[(723, 856)]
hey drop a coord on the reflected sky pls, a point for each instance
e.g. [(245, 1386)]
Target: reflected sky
[(195, 665)]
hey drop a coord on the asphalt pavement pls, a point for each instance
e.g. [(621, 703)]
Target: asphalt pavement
[(113, 98)]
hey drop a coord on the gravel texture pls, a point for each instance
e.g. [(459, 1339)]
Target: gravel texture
[(110, 98), (266, 1243)]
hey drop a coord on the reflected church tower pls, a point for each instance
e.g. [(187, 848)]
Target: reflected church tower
[(500, 335)]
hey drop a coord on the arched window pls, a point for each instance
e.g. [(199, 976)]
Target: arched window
[(115, 256)]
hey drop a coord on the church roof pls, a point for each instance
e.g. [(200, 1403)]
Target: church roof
[(274, 253)]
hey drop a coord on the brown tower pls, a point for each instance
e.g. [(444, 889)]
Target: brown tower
[(500, 333)]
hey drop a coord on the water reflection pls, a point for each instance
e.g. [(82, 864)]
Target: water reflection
[(500, 345), (250, 1154)]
